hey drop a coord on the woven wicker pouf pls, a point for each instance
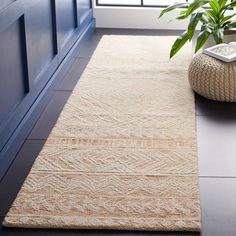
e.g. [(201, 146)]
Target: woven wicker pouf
[(212, 78)]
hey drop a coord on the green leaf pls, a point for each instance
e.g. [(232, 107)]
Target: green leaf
[(171, 8), (226, 18), (229, 6), (222, 3), (195, 18), (215, 6), (212, 14), (218, 35), (226, 24), (202, 38), (182, 15), (195, 5), (206, 19), (231, 25), (179, 43), (182, 12)]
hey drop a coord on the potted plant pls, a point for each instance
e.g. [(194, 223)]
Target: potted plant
[(215, 17)]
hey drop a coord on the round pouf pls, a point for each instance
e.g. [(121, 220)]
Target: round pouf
[(212, 78)]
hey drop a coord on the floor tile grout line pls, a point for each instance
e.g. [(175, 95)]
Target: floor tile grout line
[(216, 177), (211, 115), (81, 57), (89, 57), (63, 90), (36, 139), (60, 90)]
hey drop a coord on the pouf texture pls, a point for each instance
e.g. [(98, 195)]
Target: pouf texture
[(213, 78)]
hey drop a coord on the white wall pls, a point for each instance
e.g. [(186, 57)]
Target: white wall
[(136, 17)]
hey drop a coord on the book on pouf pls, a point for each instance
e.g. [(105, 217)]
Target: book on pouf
[(224, 52)]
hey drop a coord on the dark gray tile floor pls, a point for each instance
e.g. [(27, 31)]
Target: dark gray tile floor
[(49, 116), (218, 206), (216, 126), (217, 146), (205, 107), (71, 78)]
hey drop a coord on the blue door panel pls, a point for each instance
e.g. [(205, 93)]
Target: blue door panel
[(12, 82), (83, 7), (66, 20), (5, 3), (40, 36)]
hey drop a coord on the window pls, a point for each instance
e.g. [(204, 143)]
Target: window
[(137, 3)]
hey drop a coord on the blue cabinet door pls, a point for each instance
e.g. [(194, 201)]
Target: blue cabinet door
[(35, 36)]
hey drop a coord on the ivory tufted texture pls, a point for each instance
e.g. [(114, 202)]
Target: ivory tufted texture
[(213, 78), (123, 152)]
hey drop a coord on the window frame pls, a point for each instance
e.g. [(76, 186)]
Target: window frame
[(131, 5)]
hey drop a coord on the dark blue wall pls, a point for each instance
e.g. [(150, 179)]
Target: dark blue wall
[(35, 37)]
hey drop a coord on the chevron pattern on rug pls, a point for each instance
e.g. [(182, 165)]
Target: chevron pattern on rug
[(123, 152)]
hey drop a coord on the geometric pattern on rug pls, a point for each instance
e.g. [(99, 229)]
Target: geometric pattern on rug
[(123, 153)]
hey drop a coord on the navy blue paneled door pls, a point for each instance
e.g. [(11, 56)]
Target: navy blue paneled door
[(35, 37)]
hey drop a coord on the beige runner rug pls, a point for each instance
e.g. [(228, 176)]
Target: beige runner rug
[(122, 154)]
